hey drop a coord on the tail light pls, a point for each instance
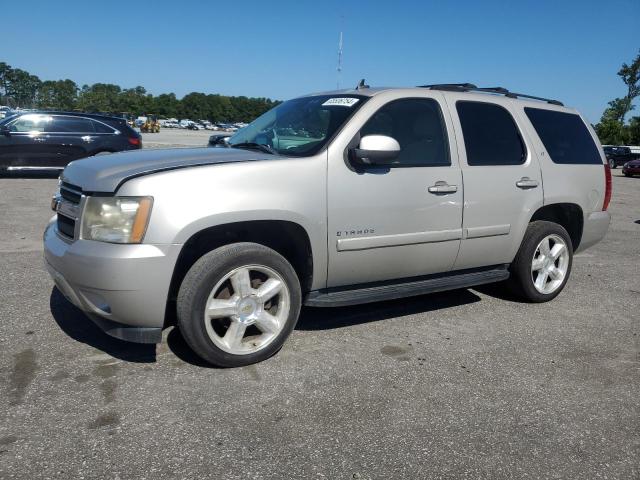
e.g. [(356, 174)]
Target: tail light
[(608, 187), (134, 140)]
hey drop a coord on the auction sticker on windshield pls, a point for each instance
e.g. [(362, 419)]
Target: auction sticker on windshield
[(341, 101)]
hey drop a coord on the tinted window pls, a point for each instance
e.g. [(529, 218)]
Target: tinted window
[(30, 123), (418, 127), (565, 136), (70, 125), (490, 134), (101, 127)]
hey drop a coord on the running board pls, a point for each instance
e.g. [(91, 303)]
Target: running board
[(380, 291)]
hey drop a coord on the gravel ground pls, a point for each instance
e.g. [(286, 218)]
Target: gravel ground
[(466, 384)]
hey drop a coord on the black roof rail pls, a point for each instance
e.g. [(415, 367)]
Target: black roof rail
[(469, 87), (452, 87)]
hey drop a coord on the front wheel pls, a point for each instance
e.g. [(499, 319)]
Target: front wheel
[(238, 304), (543, 263), (612, 164)]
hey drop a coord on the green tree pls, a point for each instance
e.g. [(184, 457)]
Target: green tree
[(99, 97), (5, 70), (634, 131), (612, 129), (22, 87), (58, 94)]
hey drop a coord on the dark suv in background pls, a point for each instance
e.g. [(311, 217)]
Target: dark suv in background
[(50, 140), (618, 156)]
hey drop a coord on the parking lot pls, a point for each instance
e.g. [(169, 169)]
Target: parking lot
[(465, 384), (169, 138)]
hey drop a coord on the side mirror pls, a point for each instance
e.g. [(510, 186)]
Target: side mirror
[(376, 150), (4, 130)]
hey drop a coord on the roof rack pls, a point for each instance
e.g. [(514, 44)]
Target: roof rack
[(470, 87)]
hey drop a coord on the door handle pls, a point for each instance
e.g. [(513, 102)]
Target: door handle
[(39, 139), (442, 187), (87, 138), (526, 182)]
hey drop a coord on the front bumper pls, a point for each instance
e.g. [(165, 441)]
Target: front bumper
[(122, 288)]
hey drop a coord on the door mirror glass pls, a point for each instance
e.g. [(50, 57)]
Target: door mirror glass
[(376, 150)]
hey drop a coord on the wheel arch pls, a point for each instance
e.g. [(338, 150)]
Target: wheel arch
[(569, 215), (288, 238)]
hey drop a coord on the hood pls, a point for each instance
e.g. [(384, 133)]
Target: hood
[(634, 163), (105, 173)]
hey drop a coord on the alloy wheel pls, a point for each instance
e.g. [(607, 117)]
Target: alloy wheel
[(247, 309)]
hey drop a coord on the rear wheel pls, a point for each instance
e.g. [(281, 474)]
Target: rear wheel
[(612, 164), (543, 263), (238, 304)]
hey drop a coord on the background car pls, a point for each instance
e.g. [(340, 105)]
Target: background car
[(631, 168), (50, 140), (218, 139), (618, 155)]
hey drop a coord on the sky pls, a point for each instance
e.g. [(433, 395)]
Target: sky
[(565, 49)]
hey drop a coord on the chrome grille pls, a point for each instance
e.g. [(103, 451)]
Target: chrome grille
[(70, 192), (66, 223)]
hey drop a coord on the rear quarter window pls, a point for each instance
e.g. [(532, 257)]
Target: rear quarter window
[(491, 136), (564, 136)]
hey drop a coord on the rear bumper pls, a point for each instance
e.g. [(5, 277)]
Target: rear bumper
[(122, 288), (595, 228)]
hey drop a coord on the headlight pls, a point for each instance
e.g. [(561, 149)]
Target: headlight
[(116, 219)]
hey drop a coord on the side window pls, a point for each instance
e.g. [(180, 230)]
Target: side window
[(565, 137), (30, 123), (101, 127), (418, 126), (490, 134), (62, 124)]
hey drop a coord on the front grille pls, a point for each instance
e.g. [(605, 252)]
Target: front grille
[(73, 194), (66, 225), (70, 192)]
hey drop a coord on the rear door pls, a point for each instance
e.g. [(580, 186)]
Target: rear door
[(70, 138), (502, 179)]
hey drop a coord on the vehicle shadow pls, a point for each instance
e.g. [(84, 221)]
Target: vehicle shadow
[(179, 347), (339, 317), (78, 326)]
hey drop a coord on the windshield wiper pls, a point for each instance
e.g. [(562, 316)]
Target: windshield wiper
[(254, 146)]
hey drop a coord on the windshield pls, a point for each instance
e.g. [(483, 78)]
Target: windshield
[(299, 127)]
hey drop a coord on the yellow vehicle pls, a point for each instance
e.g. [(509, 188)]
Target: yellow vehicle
[(151, 125)]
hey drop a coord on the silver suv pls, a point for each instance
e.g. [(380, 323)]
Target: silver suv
[(330, 199)]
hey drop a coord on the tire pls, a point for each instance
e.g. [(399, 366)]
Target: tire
[(612, 164), (243, 328), (627, 175), (524, 277)]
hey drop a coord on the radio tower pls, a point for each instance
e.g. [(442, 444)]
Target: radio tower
[(339, 60)]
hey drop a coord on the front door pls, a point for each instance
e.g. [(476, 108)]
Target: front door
[(400, 221), (24, 144)]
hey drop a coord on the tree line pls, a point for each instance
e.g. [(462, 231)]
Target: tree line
[(613, 128), (19, 88)]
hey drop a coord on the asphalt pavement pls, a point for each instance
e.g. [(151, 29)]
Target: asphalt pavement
[(465, 384)]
